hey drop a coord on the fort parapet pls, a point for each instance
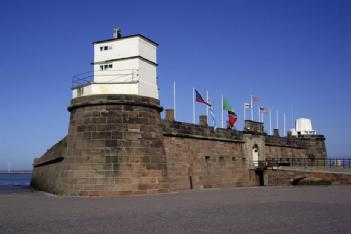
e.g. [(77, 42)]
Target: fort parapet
[(118, 145)]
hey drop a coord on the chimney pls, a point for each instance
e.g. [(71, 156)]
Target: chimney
[(117, 33), (276, 132), (203, 120), (170, 114)]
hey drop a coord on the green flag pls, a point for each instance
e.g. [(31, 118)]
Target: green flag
[(226, 105)]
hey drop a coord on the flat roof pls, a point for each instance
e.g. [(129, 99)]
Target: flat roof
[(125, 37), (119, 59)]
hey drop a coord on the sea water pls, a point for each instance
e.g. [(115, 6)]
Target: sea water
[(14, 178)]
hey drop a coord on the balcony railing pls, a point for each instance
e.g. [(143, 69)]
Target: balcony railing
[(108, 76), (304, 162)]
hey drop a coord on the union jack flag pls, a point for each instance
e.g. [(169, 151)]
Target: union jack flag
[(247, 106)]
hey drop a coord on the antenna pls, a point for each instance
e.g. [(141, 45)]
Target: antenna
[(117, 32), (292, 117)]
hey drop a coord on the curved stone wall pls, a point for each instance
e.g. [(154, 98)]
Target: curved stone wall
[(115, 146)]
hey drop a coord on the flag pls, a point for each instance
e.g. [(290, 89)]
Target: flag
[(199, 98), (232, 118), (213, 116), (263, 110), (247, 105), (226, 105), (254, 99)]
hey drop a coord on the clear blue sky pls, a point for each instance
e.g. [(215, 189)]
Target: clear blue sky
[(292, 54)]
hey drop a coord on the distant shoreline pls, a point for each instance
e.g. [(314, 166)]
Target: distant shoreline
[(14, 172)]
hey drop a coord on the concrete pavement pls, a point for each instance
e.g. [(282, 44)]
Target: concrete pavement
[(304, 209)]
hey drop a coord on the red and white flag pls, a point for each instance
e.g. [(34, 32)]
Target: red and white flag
[(247, 105)]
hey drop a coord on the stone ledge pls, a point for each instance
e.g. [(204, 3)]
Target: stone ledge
[(113, 99), (188, 130), (180, 135), (310, 137), (286, 146), (51, 154), (48, 162)]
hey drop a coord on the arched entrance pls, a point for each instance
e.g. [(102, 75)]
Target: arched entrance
[(255, 155)]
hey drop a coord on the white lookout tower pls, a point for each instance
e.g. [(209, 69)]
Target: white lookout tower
[(122, 65), (304, 127)]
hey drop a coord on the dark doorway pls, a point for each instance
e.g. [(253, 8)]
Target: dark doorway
[(260, 174)]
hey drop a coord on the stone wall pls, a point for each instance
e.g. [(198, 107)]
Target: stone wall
[(199, 157), (253, 127), (180, 129), (315, 146), (311, 147), (48, 170), (286, 177), (118, 145), (114, 147), (284, 147)]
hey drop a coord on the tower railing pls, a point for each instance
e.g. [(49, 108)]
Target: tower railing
[(123, 76)]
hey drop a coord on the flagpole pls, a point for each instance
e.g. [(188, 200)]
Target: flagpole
[(251, 109), (284, 124), (259, 114), (222, 112), (244, 112), (207, 106), (262, 117), (174, 99), (292, 117), (277, 119), (193, 105), (270, 121)]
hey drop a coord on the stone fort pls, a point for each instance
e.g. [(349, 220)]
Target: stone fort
[(117, 143)]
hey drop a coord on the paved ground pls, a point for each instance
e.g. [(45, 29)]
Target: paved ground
[(305, 209)]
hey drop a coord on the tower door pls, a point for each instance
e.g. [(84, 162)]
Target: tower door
[(255, 155)]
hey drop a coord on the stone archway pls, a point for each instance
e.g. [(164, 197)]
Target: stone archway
[(255, 155)]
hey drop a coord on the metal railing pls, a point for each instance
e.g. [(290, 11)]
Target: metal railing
[(109, 77), (306, 162)]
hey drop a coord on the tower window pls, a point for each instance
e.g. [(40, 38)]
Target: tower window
[(106, 67), (102, 48)]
